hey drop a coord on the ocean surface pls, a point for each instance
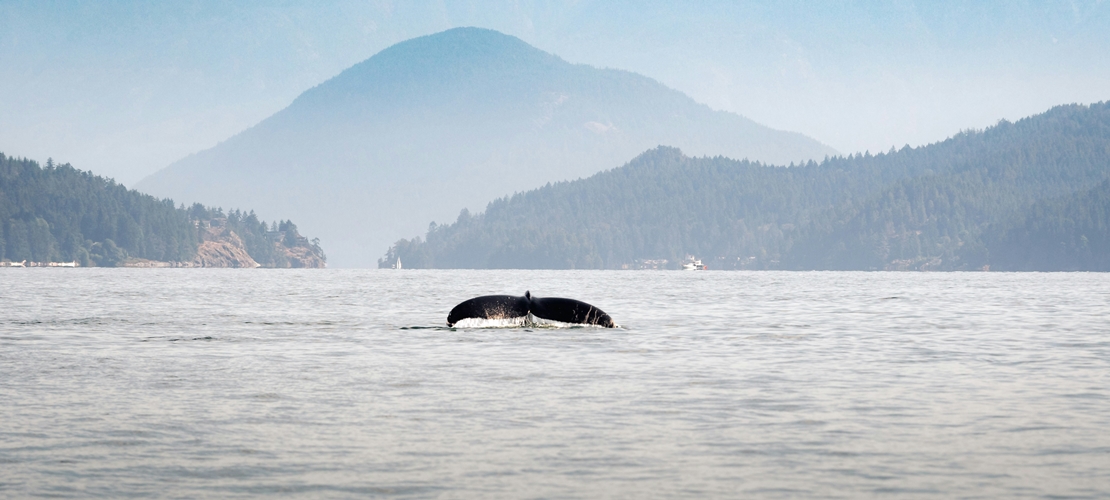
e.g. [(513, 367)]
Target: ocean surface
[(187, 383)]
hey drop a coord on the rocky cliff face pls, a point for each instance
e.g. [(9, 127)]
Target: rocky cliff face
[(303, 257), (223, 248)]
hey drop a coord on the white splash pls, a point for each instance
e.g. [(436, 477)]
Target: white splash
[(528, 321)]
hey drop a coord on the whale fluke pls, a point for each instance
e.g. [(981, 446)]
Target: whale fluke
[(489, 307), (511, 306)]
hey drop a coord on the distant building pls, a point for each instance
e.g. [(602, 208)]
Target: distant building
[(24, 263), (651, 264)]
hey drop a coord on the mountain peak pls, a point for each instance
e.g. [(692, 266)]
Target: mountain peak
[(452, 58), (446, 121), (462, 46)]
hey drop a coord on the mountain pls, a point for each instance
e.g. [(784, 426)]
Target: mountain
[(62, 214), (1029, 195), (447, 121)]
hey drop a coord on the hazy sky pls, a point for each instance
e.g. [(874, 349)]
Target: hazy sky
[(126, 87)]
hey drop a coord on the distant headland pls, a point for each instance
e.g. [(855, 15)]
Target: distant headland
[(59, 216), (1032, 195)]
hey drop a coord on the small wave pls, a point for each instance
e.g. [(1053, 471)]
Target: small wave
[(87, 321), (178, 339)]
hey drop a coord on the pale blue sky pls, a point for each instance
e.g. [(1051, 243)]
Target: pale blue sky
[(124, 88)]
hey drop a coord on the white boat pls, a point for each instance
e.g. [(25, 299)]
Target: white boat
[(693, 264)]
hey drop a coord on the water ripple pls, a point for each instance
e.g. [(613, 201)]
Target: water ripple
[(340, 383)]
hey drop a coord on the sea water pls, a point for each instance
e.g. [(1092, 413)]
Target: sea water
[(185, 383)]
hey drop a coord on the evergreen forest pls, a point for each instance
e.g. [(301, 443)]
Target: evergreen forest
[(1028, 195), (57, 213)]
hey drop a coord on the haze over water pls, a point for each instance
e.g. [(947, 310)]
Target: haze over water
[(339, 383)]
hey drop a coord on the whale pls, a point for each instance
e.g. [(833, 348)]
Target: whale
[(512, 306)]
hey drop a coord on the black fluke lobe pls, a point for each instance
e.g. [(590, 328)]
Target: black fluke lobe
[(511, 306)]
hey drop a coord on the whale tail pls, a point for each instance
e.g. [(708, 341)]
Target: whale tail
[(489, 307), (569, 311), (510, 307)]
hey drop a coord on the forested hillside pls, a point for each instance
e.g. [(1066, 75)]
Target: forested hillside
[(58, 213), (1066, 233), (1024, 195)]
